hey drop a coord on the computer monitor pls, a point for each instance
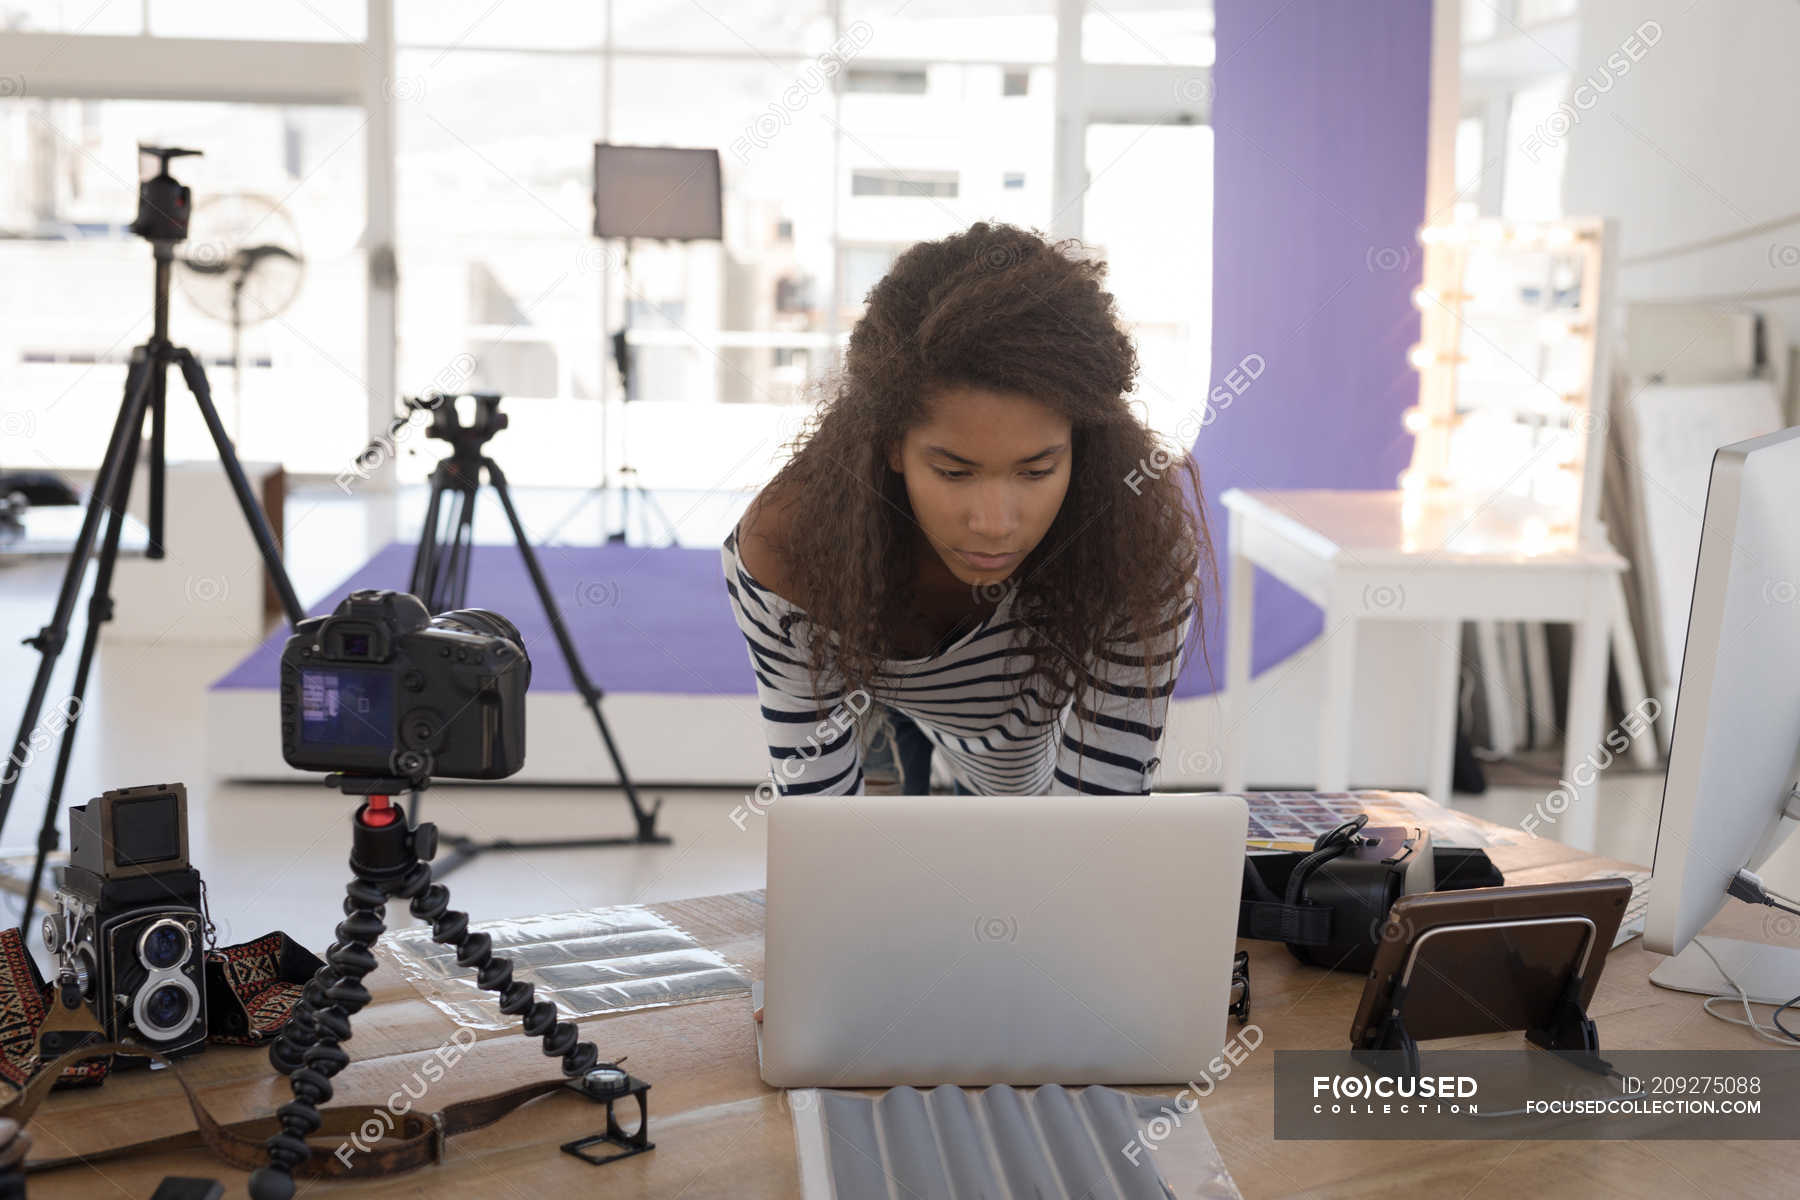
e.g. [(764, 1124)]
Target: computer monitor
[(1729, 799)]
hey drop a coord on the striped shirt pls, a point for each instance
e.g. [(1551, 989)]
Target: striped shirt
[(993, 734)]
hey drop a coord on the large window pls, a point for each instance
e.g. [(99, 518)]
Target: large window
[(848, 131), (499, 279), (1536, 147), (1149, 212), (79, 284)]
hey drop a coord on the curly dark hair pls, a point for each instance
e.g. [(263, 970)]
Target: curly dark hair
[(1001, 308)]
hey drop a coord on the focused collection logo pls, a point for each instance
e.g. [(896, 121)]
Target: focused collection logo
[(1387, 1095)]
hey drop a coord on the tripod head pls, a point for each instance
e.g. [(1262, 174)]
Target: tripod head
[(466, 440), (164, 204)]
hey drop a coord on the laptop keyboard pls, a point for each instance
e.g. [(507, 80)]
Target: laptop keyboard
[(1632, 923)]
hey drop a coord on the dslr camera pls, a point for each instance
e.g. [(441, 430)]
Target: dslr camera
[(382, 687), (129, 919)]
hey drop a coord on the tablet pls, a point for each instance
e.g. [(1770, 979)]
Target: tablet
[(1489, 960)]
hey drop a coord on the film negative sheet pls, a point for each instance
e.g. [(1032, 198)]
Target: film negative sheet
[(589, 962)]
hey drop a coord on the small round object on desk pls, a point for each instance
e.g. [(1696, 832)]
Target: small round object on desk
[(608, 1080)]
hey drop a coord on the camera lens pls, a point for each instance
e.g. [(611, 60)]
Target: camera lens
[(483, 621), (167, 1009), (163, 945), (487, 624)]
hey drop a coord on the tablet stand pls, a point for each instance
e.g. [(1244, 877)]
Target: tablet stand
[(1567, 1030)]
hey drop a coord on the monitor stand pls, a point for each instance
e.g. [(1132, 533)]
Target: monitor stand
[(1768, 974)]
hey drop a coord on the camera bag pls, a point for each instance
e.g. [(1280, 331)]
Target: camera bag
[(1328, 905)]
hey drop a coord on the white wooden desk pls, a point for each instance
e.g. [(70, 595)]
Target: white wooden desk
[(1391, 556)]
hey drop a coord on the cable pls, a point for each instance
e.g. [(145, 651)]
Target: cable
[(1778, 896), (1776, 1017), (1780, 1037)]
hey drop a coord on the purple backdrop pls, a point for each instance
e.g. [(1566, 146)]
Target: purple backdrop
[(643, 619), (1319, 126)]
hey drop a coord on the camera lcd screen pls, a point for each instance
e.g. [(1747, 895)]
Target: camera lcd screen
[(146, 829), (346, 706)]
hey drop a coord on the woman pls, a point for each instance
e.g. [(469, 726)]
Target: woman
[(977, 547)]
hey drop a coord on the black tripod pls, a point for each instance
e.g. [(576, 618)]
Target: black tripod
[(163, 206), (440, 578), (389, 859)]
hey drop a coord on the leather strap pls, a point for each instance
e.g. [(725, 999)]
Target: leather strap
[(1298, 924), (394, 1143)]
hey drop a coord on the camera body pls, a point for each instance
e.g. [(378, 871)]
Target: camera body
[(382, 687), (164, 203), (129, 920)]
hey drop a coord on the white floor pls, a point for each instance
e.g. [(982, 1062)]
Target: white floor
[(274, 855)]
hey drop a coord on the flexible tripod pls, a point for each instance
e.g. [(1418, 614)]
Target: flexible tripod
[(163, 205), (440, 577), (391, 859)]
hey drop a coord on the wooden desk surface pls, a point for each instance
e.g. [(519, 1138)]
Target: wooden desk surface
[(719, 1132)]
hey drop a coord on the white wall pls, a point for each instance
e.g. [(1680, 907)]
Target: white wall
[(1696, 139)]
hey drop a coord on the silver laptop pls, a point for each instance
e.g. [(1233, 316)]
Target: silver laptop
[(999, 939)]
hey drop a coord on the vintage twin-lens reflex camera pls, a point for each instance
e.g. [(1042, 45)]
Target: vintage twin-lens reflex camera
[(130, 921), (381, 687)]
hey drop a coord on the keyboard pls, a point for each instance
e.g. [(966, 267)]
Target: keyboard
[(1632, 923)]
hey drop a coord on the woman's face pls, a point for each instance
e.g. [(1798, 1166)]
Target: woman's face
[(986, 474)]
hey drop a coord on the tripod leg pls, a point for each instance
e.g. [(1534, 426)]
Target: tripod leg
[(309, 1051), (646, 819), (649, 502), (234, 470), (100, 611), (158, 404), (453, 585), (127, 430), (425, 558)]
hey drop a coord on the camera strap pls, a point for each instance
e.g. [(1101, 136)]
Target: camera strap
[(27, 1011), (251, 990), (342, 1148), (352, 1143)]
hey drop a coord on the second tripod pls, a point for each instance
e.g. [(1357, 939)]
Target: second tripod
[(440, 578)]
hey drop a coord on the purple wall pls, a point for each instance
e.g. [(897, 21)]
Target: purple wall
[(1319, 123)]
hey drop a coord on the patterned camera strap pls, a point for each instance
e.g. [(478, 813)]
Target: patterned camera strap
[(28, 1008), (24, 1006)]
